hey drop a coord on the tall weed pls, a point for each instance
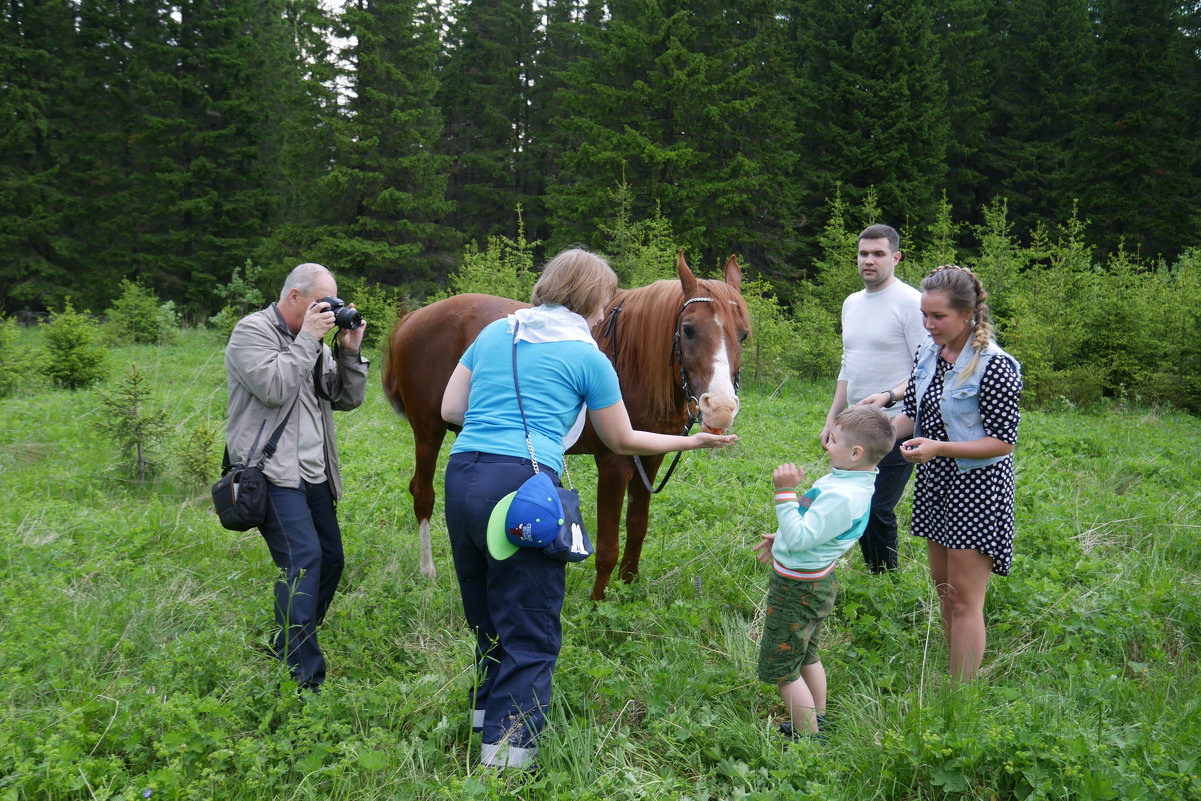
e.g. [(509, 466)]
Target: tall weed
[(241, 296), (17, 364), (381, 306), (639, 251), (505, 267)]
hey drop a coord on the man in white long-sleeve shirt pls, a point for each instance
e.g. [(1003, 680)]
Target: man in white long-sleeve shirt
[(881, 331)]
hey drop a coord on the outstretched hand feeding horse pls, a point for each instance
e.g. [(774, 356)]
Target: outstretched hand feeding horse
[(676, 347)]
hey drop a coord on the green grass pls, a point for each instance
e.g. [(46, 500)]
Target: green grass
[(131, 628)]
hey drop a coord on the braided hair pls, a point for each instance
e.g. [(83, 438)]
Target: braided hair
[(964, 293)]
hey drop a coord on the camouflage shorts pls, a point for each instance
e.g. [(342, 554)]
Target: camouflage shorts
[(792, 625)]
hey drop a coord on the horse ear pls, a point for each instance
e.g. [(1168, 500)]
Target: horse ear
[(687, 279), (733, 273)]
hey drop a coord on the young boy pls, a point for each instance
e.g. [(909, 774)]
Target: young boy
[(814, 531)]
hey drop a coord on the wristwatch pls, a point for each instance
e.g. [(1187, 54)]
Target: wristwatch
[(892, 399)]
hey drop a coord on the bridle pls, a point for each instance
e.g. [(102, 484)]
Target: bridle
[(677, 355), (694, 405)]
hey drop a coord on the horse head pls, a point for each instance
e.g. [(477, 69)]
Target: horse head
[(711, 326)]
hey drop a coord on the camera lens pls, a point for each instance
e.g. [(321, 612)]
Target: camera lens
[(345, 318), (348, 318)]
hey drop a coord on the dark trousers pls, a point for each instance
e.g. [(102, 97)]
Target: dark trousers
[(301, 530), (512, 605), (879, 540)]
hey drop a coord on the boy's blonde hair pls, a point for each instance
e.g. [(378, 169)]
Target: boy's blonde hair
[(868, 427), (577, 279)]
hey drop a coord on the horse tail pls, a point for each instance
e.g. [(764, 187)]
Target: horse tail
[(392, 368)]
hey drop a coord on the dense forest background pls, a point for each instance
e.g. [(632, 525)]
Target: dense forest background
[(171, 142)]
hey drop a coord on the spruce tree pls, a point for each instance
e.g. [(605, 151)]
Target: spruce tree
[(961, 30), (1039, 51), (113, 41), (190, 90), (385, 194), (39, 65), (129, 419), (685, 102), (871, 101), (1135, 166), (484, 95), (305, 105), (562, 44)]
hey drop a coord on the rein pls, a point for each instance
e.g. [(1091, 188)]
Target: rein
[(677, 355)]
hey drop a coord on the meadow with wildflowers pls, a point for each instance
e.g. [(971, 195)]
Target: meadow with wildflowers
[(134, 628)]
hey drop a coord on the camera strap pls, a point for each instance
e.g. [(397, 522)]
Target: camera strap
[(319, 371)]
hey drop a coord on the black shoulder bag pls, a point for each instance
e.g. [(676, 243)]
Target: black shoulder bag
[(240, 495)]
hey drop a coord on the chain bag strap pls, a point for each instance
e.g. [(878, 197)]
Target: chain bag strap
[(572, 543)]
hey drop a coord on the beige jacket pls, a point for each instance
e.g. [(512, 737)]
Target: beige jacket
[(266, 366)]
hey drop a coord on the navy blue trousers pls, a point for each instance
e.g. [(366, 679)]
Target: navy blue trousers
[(512, 605), (879, 540), (302, 532)]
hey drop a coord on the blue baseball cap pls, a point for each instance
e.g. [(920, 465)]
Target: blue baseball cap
[(528, 517)]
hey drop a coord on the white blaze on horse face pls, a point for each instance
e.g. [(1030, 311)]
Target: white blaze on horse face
[(719, 405)]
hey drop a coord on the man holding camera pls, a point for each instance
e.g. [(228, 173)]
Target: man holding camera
[(279, 370)]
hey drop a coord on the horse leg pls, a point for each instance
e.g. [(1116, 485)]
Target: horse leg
[(637, 519), (421, 486), (613, 474)]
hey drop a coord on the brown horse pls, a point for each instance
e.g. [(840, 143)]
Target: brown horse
[(676, 346)]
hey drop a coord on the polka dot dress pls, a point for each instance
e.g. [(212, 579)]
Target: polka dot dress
[(972, 509)]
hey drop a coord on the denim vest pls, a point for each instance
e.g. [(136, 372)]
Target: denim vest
[(960, 403)]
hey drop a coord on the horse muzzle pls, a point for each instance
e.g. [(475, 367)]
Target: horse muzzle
[(717, 412)]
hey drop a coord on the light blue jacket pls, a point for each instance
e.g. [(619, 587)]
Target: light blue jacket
[(960, 402), (819, 526)]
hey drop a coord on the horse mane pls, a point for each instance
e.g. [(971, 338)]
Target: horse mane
[(646, 326)]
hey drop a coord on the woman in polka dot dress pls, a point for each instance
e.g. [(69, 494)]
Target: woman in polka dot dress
[(961, 412)]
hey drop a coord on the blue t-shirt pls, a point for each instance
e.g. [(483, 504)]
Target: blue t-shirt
[(556, 378)]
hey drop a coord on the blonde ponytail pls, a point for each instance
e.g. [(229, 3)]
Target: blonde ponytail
[(964, 293)]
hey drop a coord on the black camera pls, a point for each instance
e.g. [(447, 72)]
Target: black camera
[(344, 316)]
